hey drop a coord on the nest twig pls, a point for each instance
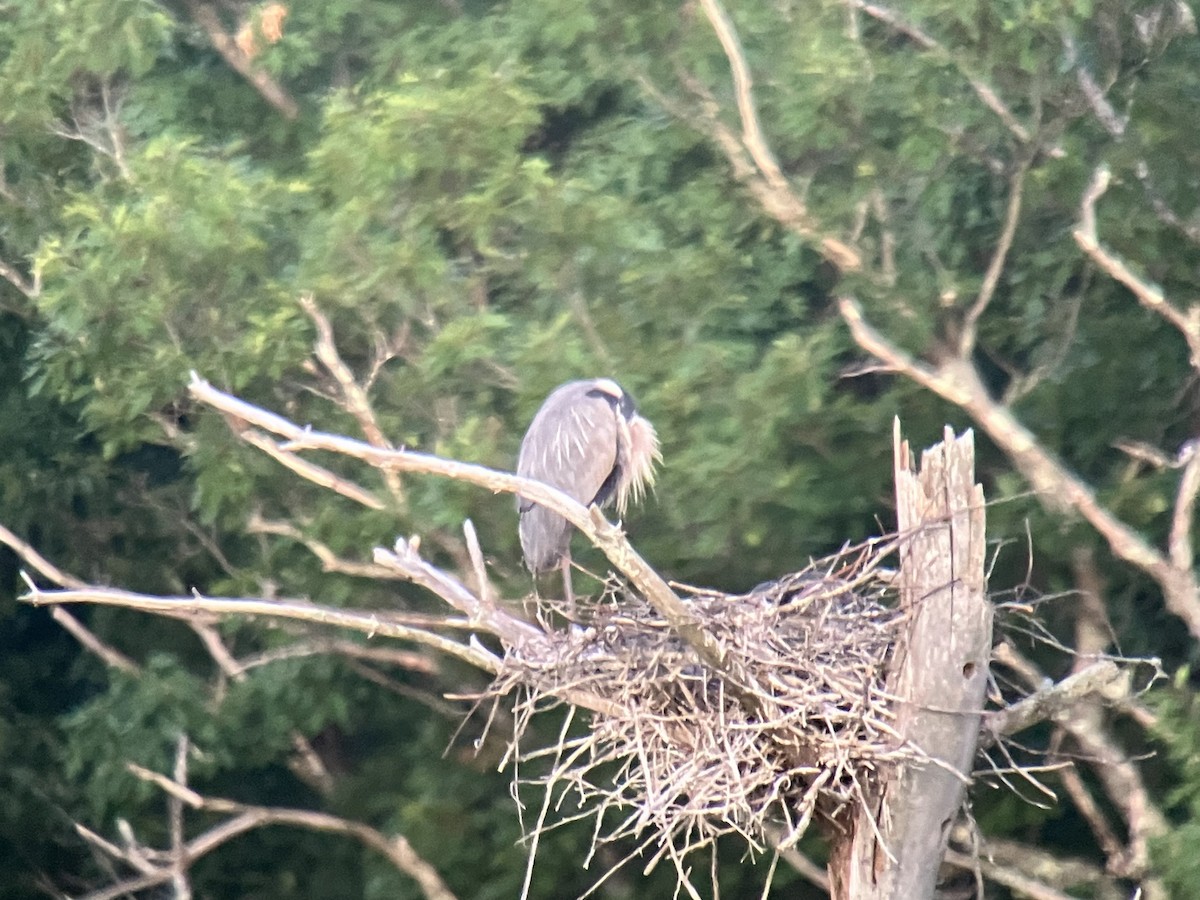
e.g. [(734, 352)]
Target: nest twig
[(794, 725)]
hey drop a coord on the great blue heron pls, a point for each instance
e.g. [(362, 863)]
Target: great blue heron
[(588, 441)]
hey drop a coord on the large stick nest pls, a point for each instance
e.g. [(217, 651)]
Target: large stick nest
[(794, 723)]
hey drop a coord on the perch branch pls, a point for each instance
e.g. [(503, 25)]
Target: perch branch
[(607, 537)]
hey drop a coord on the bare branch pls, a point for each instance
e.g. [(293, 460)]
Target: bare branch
[(1179, 544), (1106, 115), (761, 172), (922, 39), (330, 561), (1148, 295), (110, 655), (1021, 885), (1106, 838), (395, 847), (29, 288), (957, 381), (39, 562), (370, 623), (1166, 215), (179, 860), (1118, 774), (1103, 677), (991, 279), (608, 537), (269, 89), (318, 475), (354, 397)]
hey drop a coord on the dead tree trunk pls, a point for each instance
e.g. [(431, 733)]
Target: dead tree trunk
[(893, 845)]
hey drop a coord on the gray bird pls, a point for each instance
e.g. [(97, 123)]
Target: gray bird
[(588, 441)]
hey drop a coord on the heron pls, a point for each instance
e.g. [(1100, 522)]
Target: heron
[(589, 441)]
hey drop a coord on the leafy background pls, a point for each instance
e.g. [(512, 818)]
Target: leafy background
[(516, 194)]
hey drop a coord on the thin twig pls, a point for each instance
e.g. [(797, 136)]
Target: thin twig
[(982, 90), (394, 847), (991, 279), (354, 397)]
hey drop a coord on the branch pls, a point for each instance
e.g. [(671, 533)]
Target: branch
[(370, 623), (1151, 297), (1051, 703), (110, 655), (1114, 769), (354, 397), (395, 847), (1179, 544), (318, 475), (957, 381), (991, 279), (29, 288), (762, 172), (982, 90), (330, 561), (1020, 885), (269, 89)]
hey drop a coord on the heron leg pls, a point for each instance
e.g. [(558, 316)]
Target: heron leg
[(568, 594)]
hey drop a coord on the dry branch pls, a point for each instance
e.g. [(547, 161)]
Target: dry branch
[(242, 818), (354, 397), (751, 156), (958, 381), (369, 623), (1148, 295), (1102, 677)]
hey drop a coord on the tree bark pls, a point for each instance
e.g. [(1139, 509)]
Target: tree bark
[(892, 846)]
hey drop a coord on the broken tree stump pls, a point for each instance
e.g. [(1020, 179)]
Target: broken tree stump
[(892, 845)]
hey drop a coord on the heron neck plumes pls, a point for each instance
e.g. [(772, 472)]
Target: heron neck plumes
[(638, 467)]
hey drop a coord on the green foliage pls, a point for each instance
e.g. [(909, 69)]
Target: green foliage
[(1178, 729), (499, 194)]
